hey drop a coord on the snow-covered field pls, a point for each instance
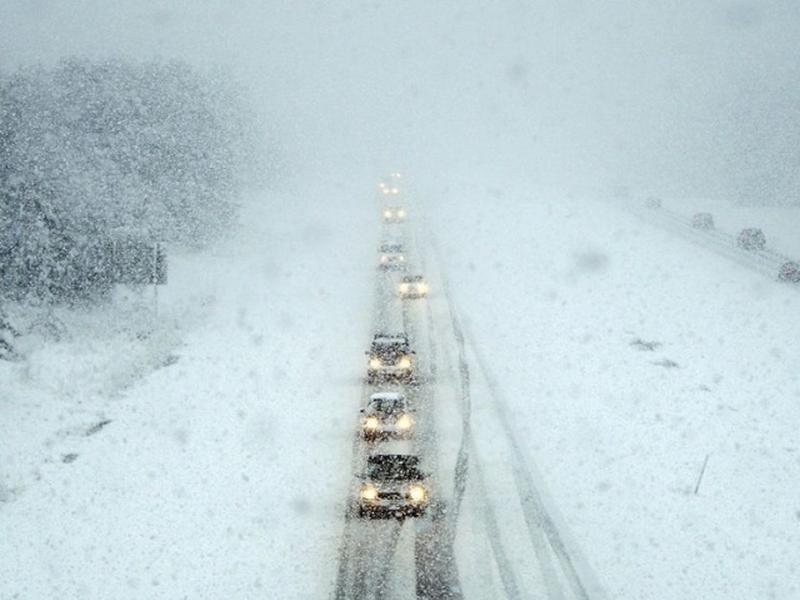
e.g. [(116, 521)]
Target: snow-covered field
[(219, 474), (628, 356)]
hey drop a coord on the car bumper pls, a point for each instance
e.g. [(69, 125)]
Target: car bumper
[(413, 295), (381, 510), (390, 432), (389, 373)]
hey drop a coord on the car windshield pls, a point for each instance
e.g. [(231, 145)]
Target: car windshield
[(399, 468), (387, 405)]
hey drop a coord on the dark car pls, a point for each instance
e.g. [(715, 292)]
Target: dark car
[(390, 357), (393, 487), (789, 271), (703, 220), (751, 238)]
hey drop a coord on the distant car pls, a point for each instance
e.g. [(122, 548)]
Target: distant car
[(390, 358), (412, 286), (653, 202), (393, 487), (391, 257), (703, 220), (389, 186), (386, 416), (394, 214), (751, 239), (789, 271)]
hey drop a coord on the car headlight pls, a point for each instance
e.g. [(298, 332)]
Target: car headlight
[(403, 288), (404, 422), (404, 363), (374, 363), (372, 423), (370, 493), (415, 492), (384, 259), (395, 191), (401, 213), (387, 214), (401, 258)]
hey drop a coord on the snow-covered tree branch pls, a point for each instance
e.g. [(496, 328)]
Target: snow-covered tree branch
[(93, 151)]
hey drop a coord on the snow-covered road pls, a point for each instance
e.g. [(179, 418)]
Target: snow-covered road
[(569, 405)]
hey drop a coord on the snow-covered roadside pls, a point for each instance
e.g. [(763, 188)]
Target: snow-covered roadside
[(628, 356), (220, 474)]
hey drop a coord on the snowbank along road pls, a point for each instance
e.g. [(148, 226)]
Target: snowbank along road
[(487, 531)]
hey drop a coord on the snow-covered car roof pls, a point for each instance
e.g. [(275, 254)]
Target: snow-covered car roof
[(391, 248), (390, 338), (386, 396)]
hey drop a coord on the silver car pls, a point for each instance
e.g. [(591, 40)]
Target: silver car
[(412, 286), (386, 416), (391, 257)]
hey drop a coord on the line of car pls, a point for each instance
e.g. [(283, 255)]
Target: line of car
[(749, 238), (393, 485)]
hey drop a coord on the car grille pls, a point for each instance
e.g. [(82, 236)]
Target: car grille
[(391, 496)]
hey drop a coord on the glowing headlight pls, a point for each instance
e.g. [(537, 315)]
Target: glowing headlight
[(370, 493), (401, 258), (395, 191), (415, 493), (386, 190), (401, 213), (371, 423), (374, 363), (404, 363), (404, 422), (384, 259), (422, 288), (403, 288), (387, 214)]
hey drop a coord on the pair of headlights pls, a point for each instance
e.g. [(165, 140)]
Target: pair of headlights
[(404, 422), (377, 363), (414, 493), (420, 288)]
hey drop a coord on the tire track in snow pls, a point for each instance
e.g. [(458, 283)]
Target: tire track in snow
[(537, 517), (543, 531), (353, 569), (467, 452)]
